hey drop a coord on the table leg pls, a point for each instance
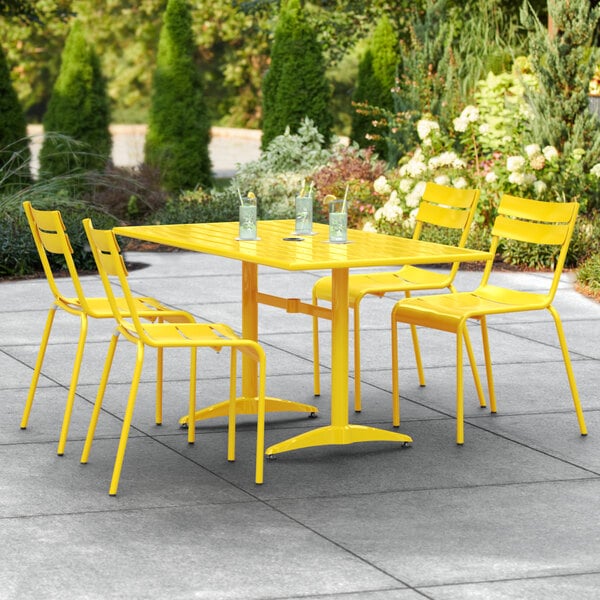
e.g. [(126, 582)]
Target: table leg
[(247, 404), (340, 431)]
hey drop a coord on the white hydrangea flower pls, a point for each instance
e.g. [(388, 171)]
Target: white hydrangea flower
[(491, 177), (539, 187), (415, 167), (381, 186), (405, 185), (470, 113), (532, 150), (515, 163), (484, 128), (370, 227), (425, 127), (517, 178), (529, 179), (391, 212), (442, 180), (448, 159), (459, 183), (460, 124), (537, 162), (411, 221), (434, 163), (595, 170), (550, 153)]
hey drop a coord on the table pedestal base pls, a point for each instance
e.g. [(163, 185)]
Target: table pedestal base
[(337, 434), (249, 406)]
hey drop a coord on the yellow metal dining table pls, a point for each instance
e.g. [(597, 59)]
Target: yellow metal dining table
[(277, 246)]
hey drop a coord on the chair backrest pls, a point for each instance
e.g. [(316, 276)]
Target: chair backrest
[(534, 222), (449, 207), (111, 264), (50, 237)]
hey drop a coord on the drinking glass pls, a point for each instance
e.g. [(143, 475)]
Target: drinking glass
[(338, 222), (304, 206), (248, 219)]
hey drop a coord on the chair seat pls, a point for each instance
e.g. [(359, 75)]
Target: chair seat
[(149, 308), (448, 311), (379, 283)]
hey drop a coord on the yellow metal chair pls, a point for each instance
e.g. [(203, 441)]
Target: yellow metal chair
[(50, 237), (165, 335), (441, 206), (519, 219)]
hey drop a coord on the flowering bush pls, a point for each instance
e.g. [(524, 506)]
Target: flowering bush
[(359, 172), (460, 160)]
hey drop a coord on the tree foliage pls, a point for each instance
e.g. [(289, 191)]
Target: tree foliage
[(376, 78), (178, 128), (14, 147), (295, 86), (79, 110), (564, 63)]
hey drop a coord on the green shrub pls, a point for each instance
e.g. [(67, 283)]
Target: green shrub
[(355, 170), (79, 111), (376, 78), (278, 175), (588, 274), (199, 207), (295, 85), (179, 128), (18, 254)]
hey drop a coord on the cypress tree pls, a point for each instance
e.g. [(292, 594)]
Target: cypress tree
[(14, 145), (179, 127), (295, 85), (376, 78), (79, 111), (564, 62)]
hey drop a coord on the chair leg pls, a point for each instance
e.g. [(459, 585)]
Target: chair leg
[(357, 392), (62, 440), (260, 425), (231, 424), (569, 369), (417, 349), (114, 483), (87, 446), (395, 391), (474, 370), (488, 364), (460, 416), (159, 386), (38, 367), (316, 354), (192, 402)]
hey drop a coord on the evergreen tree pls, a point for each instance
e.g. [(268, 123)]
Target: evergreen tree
[(376, 78), (14, 145), (179, 127), (564, 62), (78, 112), (295, 86)]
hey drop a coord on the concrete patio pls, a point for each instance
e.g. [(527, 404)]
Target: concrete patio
[(512, 514)]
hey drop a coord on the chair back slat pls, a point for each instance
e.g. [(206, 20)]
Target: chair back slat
[(536, 210), (444, 206), (530, 232), (442, 216)]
